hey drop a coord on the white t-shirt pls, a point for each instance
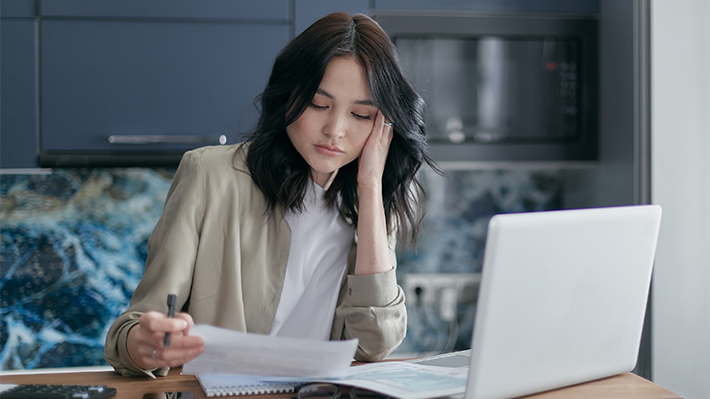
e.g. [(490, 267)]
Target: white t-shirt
[(320, 241)]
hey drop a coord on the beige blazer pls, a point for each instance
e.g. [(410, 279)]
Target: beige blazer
[(226, 262)]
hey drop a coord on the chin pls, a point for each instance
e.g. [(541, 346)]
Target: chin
[(325, 167)]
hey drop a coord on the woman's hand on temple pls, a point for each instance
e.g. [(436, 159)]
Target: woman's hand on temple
[(374, 154), (145, 341), (373, 254)]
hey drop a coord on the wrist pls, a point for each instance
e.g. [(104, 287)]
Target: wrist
[(369, 187), (132, 347)]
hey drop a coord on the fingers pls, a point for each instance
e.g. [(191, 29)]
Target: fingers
[(159, 323), (387, 129), (145, 341), (386, 125), (188, 319), (380, 139), (182, 350), (374, 154), (382, 133)]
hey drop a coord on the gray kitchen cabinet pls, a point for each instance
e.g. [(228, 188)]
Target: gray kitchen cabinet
[(579, 7), (139, 83), (18, 113), (84, 80), (308, 11)]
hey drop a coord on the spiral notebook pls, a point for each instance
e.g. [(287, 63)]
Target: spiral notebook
[(239, 384)]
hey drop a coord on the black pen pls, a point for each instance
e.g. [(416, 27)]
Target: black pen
[(172, 299)]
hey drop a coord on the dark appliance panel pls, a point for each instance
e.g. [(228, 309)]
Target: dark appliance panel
[(502, 88)]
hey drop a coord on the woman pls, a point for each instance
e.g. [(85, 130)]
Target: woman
[(292, 232)]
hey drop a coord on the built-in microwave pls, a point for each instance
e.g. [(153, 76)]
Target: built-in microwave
[(502, 88)]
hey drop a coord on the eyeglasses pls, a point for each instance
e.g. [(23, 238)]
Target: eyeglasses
[(333, 391)]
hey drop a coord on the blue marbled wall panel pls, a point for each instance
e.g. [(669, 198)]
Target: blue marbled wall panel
[(74, 247), (453, 239), (73, 250)]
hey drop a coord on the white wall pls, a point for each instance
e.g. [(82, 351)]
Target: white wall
[(680, 85)]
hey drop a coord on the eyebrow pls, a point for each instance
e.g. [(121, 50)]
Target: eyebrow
[(358, 102)]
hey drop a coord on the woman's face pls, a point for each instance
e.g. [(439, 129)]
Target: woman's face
[(332, 131)]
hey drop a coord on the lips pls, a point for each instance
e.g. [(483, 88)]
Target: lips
[(329, 150)]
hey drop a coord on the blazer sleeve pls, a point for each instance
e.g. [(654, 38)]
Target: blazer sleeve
[(172, 248), (371, 308)]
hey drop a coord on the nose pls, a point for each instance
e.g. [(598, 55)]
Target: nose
[(336, 125)]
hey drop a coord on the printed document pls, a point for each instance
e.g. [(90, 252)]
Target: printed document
[(406, 380), (231, 355), (234, 352)]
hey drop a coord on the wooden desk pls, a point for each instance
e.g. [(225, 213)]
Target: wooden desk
[(621, 386)]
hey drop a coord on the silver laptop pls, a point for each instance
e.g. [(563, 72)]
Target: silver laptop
[(562, 299)]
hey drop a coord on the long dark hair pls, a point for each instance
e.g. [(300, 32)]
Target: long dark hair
[(279, 170)]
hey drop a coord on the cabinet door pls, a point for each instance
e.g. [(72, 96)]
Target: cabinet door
[(262, 10), (18, 114), (307, 12), (103, 78), (584, 7)]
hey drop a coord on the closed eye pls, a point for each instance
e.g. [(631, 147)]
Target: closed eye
[(363, 117), (317, 106)]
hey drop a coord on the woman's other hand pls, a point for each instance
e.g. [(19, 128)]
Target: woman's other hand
[(371, 164), (373, 254), (145, 341)]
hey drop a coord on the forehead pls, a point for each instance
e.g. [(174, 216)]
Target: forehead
[(345, 79)]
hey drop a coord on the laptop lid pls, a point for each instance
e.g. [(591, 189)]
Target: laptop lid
[(562, 298)]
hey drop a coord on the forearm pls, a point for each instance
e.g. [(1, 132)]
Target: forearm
[(371, 309), (373, 252)]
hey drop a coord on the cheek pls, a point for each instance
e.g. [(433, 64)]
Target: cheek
[(302, 129), (302, 124), (358, 140)]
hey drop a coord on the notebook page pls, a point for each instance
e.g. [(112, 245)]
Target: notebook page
[(238, 384)]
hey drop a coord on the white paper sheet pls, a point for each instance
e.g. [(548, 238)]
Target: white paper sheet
[(396, 379), (233, 352), (407, 380)]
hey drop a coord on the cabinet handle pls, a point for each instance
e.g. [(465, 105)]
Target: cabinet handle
[(165, 139)]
